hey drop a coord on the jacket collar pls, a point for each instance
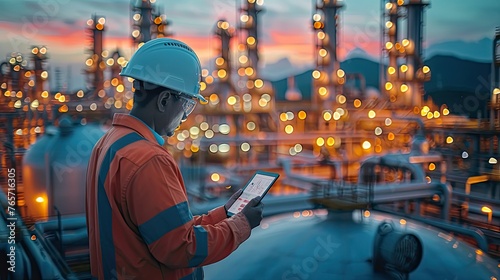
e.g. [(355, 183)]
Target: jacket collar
[(138, 126)]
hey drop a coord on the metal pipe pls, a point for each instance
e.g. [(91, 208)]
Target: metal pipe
[(287, 168), (406, 191), (395, 160), (474, 180), (73, 223), (425, 158)]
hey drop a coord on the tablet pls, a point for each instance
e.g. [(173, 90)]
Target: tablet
[(260, 183)]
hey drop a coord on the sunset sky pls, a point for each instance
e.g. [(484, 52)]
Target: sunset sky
[(285, 30)]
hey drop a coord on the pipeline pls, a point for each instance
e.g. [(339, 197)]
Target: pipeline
[(394, 160), (406, 191), (74, 230)]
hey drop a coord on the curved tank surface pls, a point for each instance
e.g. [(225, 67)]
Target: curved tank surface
[(54, 169), (322, 244)]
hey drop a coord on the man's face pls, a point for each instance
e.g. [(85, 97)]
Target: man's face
[(173, 115)]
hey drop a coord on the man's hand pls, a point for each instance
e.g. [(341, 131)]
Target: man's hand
[(232, 199), (253, 212)]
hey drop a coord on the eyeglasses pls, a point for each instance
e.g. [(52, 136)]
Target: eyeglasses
[(188, 104)]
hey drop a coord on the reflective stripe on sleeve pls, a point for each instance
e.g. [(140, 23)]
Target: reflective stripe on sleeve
[(165, 221), (201, 246)]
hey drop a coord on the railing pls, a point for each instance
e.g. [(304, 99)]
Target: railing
[(342, 195)]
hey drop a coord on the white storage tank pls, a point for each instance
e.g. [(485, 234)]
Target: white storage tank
[(54, 169)]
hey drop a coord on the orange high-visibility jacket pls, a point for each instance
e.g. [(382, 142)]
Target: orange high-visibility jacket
[(138, 219)]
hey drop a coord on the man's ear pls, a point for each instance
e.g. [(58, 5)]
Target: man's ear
[(162, 100)]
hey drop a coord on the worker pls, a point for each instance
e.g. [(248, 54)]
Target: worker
[(139, 222)]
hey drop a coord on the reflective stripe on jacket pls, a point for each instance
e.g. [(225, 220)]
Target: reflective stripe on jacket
[(138, 218)]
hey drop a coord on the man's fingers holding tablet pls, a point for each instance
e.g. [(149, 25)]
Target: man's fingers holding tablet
[(253, 212)]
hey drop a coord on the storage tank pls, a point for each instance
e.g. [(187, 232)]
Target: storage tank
[(54, 169), (358, 244)]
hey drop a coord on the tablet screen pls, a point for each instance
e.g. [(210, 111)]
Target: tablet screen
[(258, 186)]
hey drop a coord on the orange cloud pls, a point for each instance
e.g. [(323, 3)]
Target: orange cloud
[(297, 47), (300, 47), (56, 36), (349, 43)]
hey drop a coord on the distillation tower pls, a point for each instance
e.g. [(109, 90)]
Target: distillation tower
[(222, 85), (257, 94), (249, 31), (328, 77), (143, 13), (405, 74), (95, 63), (38, 58), (148, 23)]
